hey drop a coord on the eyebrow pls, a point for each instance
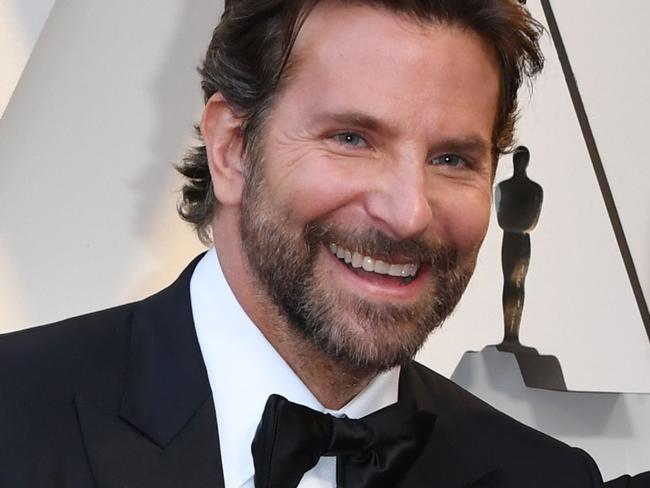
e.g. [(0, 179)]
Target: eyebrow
[(354, 120), (473, 143)]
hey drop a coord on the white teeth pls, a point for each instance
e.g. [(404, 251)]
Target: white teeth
[(356, 260), (381, 267), (395, 270)]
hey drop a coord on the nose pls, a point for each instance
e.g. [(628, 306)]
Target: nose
[(400, 202)]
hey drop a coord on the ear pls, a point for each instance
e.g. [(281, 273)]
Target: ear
[(224, 144)]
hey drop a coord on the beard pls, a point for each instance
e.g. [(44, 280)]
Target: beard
[(354, 332)]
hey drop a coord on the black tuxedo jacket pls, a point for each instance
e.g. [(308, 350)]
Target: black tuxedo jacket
[(121, 399)]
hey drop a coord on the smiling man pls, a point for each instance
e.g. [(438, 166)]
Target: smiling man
[(350, 164), (345, 172)]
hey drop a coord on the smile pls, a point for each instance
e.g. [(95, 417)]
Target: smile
[(367, 263)]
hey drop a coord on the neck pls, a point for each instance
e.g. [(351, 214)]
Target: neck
[(331, 382), (334, 384)]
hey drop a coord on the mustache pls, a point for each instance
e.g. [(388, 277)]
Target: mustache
[(378, 245)]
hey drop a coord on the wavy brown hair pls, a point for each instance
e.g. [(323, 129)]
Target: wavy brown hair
[(249, 58)]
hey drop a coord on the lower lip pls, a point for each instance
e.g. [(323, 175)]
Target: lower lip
[(380, 286)]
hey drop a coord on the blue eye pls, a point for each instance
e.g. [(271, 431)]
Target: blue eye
[(452, 160), (350, 139)]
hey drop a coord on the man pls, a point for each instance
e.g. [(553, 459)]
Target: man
[(346, 173)]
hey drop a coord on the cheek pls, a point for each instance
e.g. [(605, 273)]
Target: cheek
[(314, 191), (465, 220)]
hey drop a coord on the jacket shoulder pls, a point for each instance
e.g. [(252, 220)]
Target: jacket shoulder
[(47, 362), (41, 371), (490, 437), (89, 353), (464, 411)]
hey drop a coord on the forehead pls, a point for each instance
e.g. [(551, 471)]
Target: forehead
[(350, 56)]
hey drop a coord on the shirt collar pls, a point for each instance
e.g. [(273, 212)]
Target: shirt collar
[(244, 369)]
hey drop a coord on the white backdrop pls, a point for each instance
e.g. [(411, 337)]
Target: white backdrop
[(87, 202), (21, 22)]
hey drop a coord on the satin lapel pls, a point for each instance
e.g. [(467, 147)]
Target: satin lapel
[(442, 464), (165, 433)]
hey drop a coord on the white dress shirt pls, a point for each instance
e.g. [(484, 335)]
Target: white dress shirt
[(244, 369)]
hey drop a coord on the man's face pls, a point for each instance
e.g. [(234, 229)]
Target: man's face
[(376, 154)]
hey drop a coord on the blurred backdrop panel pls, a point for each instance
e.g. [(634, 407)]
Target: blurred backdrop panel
[(21, 22), (103, 111)]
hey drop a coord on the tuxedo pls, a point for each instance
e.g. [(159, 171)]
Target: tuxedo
[(121, 398)]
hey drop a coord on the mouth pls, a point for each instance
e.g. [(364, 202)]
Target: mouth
[(367, 266)]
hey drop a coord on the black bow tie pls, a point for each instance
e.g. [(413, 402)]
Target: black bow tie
[(372, 452)]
